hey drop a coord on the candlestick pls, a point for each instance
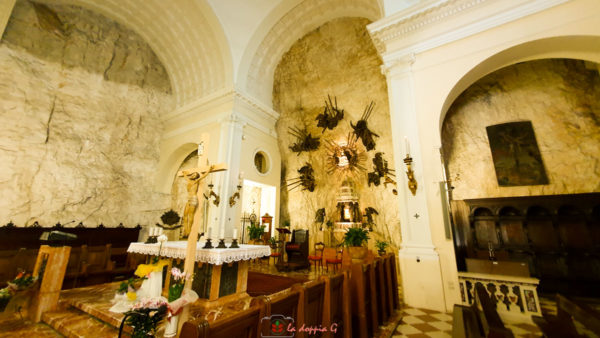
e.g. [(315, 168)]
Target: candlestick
[(234, 233)]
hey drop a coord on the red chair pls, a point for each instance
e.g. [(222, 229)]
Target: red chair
[(317, 258), (334, 261)]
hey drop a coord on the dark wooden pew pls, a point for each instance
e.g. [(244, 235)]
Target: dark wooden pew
[(336, 309), (243, 325), (469, 321), (562, 325)]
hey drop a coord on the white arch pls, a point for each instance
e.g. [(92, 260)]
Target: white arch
[(185, 35), (583, 47), (271, 40)]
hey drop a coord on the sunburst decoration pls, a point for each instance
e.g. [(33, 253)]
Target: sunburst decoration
[(345, 157)]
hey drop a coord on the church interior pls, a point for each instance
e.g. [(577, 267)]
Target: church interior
[(329, 168)]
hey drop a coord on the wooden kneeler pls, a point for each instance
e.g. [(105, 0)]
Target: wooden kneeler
[(50, 267)]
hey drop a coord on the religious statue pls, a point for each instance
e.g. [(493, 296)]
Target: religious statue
[(193, 178)]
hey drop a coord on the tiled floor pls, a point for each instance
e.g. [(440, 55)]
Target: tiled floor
[(423, 323), (418, 323)]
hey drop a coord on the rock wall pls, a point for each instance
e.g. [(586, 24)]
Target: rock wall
[(561, 97), (339, 59), (81, 98)]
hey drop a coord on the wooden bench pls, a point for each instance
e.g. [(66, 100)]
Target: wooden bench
[(364, 303), (243, 324), (469, 321), (336, 309)]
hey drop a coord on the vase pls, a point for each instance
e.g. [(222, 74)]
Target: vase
[(381, 252), (151, 287), (171, 327), (358, 253)]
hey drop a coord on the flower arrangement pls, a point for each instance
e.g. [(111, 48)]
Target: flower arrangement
[(21, 282), (143, 270), (179, 278), (130, 286), (144, 317)]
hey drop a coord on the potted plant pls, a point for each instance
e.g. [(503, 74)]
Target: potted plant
[(354, 239), (273, 243), (381, 246), (255, 232)]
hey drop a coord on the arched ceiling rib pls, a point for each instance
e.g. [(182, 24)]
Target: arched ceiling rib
[(185, 35), (261, 59)]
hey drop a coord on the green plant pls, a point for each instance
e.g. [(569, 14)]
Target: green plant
[(381, 245), (144, 317), (132, 282), (255, 231), (285, 223), (329, 224), (273, 242), (356, 237)]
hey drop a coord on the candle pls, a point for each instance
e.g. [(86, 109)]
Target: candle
[(208, 232), (407, 145), (222, 233), (234, 233)]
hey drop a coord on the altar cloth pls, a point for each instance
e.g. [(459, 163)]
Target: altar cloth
[(211, 256)]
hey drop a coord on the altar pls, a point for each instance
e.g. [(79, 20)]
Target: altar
[(220, 275)]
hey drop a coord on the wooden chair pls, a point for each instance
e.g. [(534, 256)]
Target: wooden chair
[(243, 324), (381, 291), (317, 258), (364, 305), (336, 308), (74, 268), (96, 265), (335, 261), (312, 297), (287, 304)]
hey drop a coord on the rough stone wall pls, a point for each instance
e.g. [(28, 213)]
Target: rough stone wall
[(80, 101), (339, 59), (561, 97)]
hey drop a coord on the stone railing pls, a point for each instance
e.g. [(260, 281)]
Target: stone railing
[(515, 297)]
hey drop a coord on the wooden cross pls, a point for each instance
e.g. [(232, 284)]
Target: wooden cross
[(203, 170)]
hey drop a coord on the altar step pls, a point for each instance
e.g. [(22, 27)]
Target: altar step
[(74, 323)]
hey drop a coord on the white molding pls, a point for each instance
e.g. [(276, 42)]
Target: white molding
[(417, 18)]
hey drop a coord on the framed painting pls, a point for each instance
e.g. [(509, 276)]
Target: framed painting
[(516, 155)]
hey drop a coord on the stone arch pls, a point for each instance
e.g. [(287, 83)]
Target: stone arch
[(169, 164), (582, 47), (185, 35), (272, 40)]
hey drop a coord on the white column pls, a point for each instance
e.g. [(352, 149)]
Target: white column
[(230, 147), (419, 261), (6, 7)]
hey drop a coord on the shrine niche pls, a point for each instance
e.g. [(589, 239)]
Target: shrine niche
[(334, 97)]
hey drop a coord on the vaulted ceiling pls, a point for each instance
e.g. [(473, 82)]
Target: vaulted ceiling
[(209, 46)]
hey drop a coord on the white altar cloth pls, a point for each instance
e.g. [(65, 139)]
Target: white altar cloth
[(211, 256)]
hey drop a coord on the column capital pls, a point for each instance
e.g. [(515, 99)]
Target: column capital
[(398, 65)]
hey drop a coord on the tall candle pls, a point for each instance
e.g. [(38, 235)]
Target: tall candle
[(234, 233), (407, 145), (208, 231), (222, 233)]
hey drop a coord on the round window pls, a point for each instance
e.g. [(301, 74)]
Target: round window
[(261, 162)]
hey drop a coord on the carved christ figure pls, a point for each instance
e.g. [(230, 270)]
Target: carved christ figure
[(193, 179)]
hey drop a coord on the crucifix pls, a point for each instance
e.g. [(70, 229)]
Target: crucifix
[(191, 219)]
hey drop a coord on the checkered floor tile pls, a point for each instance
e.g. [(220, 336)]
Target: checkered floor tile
[(428, 323), (423, 323)]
